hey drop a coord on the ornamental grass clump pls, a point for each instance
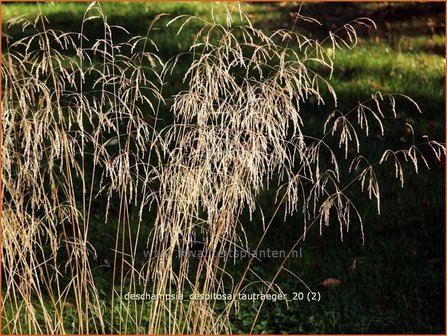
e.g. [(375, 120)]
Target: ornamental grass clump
[(81, 123)]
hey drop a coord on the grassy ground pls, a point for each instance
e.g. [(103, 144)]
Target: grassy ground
[(394, 283)]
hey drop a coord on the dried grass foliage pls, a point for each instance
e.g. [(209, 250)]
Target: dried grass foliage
[(237, 131)]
